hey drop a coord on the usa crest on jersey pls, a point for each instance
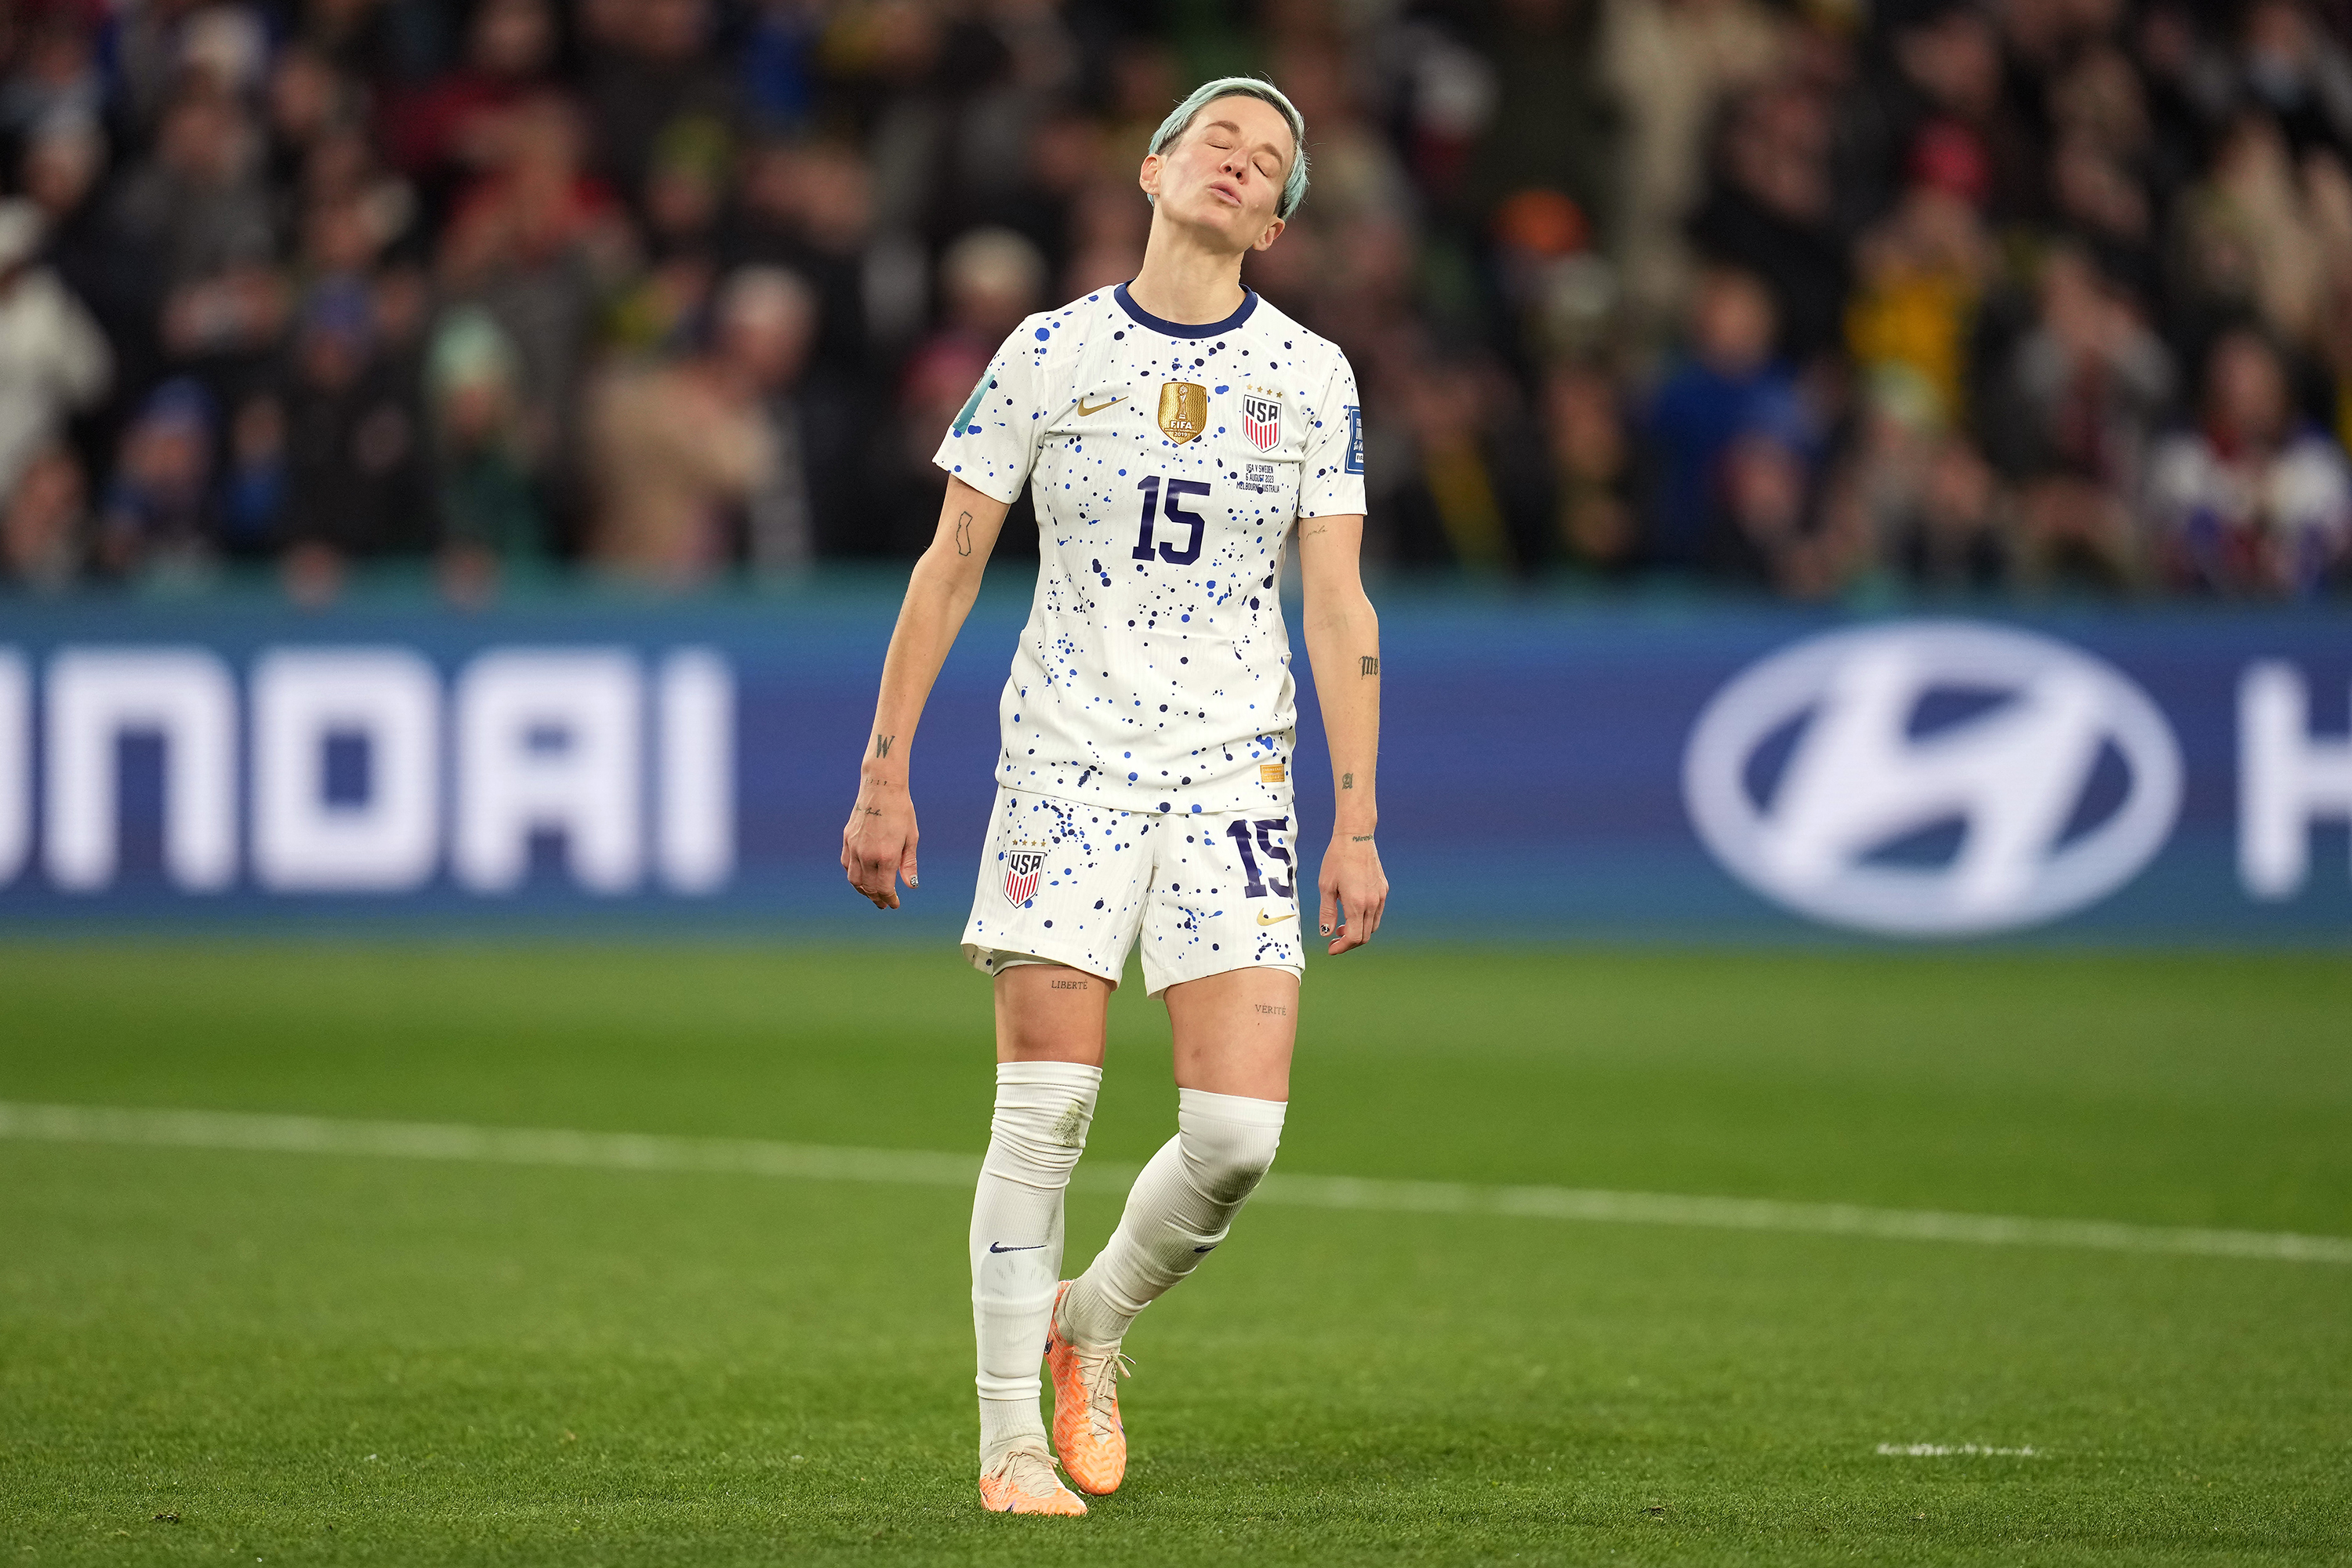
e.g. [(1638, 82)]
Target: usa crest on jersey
[(1262, 420), (1024, 864)]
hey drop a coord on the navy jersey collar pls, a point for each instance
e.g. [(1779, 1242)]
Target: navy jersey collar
[(1179, 329)]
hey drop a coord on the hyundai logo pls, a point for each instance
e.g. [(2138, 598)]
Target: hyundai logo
[(1936, 778)]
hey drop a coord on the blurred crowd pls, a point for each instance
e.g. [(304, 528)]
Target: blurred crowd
[(1815, 297)]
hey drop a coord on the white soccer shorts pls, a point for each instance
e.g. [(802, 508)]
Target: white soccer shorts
[(1082, 885)]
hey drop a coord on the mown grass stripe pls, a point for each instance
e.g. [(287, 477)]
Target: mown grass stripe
[(824, 1163)]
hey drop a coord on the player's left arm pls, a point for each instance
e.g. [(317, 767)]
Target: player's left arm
[(1343, 645)]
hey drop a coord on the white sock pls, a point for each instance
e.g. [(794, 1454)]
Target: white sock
[(1182, 1206), (1035, 1138)]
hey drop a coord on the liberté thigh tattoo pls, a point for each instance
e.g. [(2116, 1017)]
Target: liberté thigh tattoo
[(1049, 1013)]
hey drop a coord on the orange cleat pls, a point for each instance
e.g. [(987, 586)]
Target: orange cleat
[(1022, 1480), (1087, 1427)]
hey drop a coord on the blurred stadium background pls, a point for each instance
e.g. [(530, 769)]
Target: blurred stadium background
[(1860, 513)]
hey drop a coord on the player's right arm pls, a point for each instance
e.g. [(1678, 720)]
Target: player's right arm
[(878, 843)]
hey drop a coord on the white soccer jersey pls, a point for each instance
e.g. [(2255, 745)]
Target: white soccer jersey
[(1170, 462)]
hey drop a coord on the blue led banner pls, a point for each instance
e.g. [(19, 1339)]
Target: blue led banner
[(1548, 769)]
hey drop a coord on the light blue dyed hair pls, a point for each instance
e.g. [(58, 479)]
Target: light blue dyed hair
[(1293, 189)]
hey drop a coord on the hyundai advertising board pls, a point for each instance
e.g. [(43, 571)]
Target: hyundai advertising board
[(1549, 770)]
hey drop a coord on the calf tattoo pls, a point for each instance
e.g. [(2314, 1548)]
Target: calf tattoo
[(1347, 780), (964, 534)]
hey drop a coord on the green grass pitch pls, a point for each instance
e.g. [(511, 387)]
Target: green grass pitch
[(312, 1359)]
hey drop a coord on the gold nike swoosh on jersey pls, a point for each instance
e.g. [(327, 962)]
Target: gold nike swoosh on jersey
[(1276, 920), (1084, 411)]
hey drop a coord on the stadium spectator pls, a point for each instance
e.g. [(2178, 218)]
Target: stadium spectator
[(2292, 68), (683, 449), (2073, 416), (766, 318), (1914, 501), (1728, 385), (200, 217), (989, 279), (537, 242), (649, 67), (1920, 273), (254, 489), (64, 160), (53, 359), (2248, 242), (1671, 64), (58, 77), (44, 524), (809, 207), (1593, 521), (451, 127), (2252, 502), (157, 515), (480, 448), (1772, 211), (1769, 536), (352, 444), (1474, 490)]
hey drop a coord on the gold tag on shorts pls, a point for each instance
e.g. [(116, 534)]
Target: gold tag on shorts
[(1184, 410), (1270, 772)]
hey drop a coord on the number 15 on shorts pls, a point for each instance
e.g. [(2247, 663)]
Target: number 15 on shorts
[(1260, 837)]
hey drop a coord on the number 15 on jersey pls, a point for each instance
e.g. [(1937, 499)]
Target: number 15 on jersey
[(1176, 490)]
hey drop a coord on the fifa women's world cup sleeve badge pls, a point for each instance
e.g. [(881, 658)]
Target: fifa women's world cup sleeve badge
[(1024, 862), (1184, 410)]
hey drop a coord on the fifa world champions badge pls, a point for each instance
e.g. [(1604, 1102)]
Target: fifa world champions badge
[(1262, 420), (1024, 864), (1184, 410)]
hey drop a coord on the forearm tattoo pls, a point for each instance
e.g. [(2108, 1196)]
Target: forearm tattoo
[(882, 744), (1369, 665), (1347, 780), (964, 534)]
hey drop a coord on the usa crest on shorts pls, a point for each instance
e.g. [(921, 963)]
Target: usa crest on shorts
[(1262, 420), (1024, 864)]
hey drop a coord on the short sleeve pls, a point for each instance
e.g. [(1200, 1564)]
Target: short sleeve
[(1331, 483), (994, 440)]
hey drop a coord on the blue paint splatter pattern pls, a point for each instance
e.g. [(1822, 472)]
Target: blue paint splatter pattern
[(1154, 673), (1108, 881)]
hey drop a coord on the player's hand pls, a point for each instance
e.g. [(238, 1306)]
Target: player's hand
[(877, 846), (1355, 890)]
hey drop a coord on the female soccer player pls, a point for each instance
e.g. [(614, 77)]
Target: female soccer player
[(1173, 431)]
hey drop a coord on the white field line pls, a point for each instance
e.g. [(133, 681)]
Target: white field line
[(1946, 1450), (824, 1163)]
